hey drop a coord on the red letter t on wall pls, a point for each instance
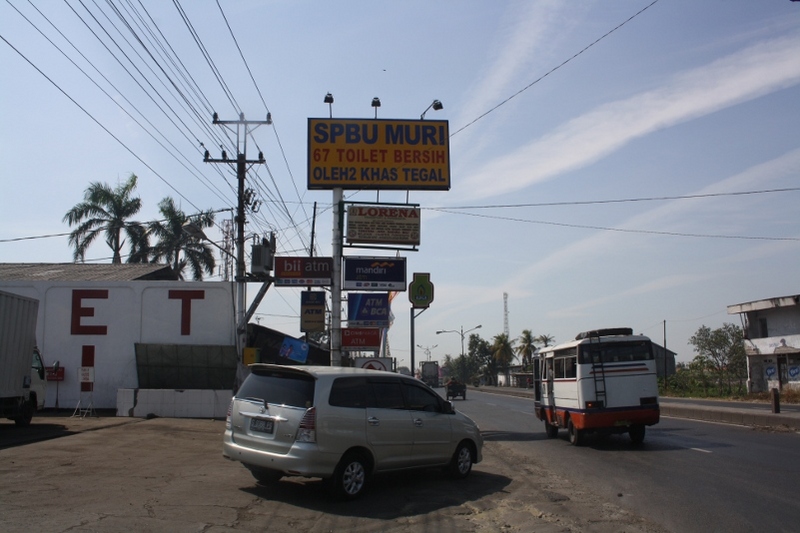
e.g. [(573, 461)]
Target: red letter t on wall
[(186, 298)]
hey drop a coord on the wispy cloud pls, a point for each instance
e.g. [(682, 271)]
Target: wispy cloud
[(755, 71)]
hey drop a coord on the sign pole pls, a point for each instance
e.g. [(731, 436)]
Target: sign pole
[(336, 281)]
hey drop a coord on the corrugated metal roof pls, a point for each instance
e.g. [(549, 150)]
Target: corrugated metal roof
[(84, 272)]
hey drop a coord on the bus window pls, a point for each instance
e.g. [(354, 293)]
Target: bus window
[(559, 364), (614, 353), (570, 367)]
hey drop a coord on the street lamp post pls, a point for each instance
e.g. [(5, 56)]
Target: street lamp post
[(460, 332)]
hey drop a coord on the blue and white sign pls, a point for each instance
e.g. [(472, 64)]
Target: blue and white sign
[(368, 310), (770, 371), (375, 273), (294, 350)]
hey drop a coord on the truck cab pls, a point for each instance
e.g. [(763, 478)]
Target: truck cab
[(38, 383)]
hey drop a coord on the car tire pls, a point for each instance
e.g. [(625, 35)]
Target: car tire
[(636, 433), (575, 435), (350, 477), (551, 430), (461, 463)]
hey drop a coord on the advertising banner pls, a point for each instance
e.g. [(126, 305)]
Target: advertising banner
[(368, 310), (378, 154), (294, 350), (312, 311), (375, 273), (303, 271), (361, 338), (383, 224)]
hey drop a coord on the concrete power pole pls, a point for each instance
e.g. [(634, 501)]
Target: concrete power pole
[(242, 128)]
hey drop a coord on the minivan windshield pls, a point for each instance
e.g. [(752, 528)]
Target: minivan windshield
[(279, 389)]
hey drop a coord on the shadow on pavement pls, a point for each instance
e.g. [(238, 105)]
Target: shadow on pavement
[(388, 496)]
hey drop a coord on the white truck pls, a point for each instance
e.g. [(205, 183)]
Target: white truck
[(430, 373), (22, 372)]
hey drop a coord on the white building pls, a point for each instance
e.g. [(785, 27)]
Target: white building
[(114, 327), (771, 341)]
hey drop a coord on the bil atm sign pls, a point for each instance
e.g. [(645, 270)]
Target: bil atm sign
[(303, 271), (378, 154)]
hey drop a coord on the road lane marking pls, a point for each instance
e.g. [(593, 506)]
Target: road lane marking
[(701, 450)]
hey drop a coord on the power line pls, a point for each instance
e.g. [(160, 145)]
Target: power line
[(623, 230), (621, 200), (534, 82)]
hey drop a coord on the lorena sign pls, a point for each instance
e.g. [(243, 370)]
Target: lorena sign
[(383, 224)]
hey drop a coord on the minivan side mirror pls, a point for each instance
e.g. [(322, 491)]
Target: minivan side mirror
[(448, 407)]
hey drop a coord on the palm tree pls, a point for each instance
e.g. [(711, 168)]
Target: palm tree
[(545, 340), (172, 240), (526, 348), (503, 352), (106, 211)]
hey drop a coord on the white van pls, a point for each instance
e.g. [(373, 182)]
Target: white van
[(343, 425)]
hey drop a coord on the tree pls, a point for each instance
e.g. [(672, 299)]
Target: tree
[(172, 240), (545, 340), (721, 351), (481, 351), (526, 348), (106, 211), (503, 352)]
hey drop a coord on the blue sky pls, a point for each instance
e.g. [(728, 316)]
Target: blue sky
[(651, 178)]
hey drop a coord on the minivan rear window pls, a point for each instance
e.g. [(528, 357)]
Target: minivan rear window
[(279, 389)]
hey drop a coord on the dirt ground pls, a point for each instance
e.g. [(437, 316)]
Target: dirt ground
[(122, 474)]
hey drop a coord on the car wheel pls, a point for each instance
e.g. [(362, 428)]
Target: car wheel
[(551, 430), (461, 464), (350, 476), (636, 433), (265, 476), (575, 434)]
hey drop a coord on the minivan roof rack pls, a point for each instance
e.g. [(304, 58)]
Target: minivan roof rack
[(606, 332)]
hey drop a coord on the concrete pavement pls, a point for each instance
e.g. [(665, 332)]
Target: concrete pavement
[(748, 414)]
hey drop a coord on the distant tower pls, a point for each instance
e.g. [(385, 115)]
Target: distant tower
[(505, 314)]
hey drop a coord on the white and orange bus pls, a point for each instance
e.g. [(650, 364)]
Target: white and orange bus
[(604, 381)]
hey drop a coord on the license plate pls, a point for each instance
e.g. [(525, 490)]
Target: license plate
[(262, 426)]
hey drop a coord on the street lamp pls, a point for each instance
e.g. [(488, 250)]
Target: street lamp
[(459, 332), (436, 105), (427, 350)]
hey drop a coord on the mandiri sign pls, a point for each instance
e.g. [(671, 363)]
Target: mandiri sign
[(375, 273), (378, 154)]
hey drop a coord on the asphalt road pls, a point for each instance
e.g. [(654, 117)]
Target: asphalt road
[(123, 474), (689, 476)]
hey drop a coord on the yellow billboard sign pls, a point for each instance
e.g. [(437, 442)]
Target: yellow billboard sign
[(378, 154)]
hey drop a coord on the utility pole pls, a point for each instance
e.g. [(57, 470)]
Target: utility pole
[(243, 128)]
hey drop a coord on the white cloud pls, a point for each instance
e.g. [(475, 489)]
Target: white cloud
[(755, 71)]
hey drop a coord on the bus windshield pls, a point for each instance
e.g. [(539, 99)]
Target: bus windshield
[(615, 352)]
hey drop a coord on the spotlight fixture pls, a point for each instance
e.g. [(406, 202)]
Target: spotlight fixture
[(436, 105), (329, 100), (376, 103)]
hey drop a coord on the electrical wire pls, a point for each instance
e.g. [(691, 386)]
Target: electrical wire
[(534, 82)]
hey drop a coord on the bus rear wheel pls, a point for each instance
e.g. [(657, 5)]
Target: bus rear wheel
[(575, 434)]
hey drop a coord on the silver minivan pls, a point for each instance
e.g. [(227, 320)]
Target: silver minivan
[(343, 425)]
